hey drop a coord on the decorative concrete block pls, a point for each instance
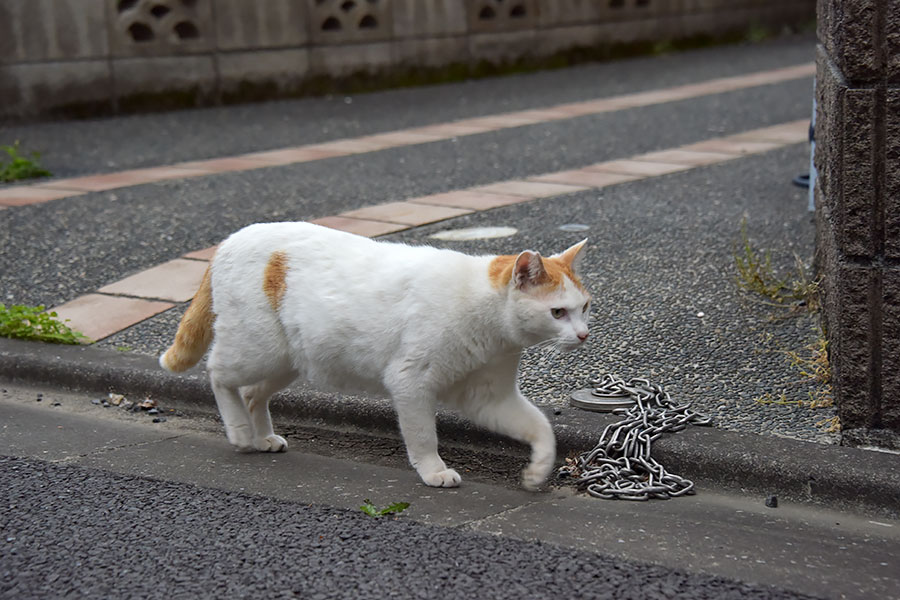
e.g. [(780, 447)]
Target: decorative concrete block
[(892, 41), (557, 39), (848, 36), (342, 60), (890, 349), (431, 52), (160, 27), (44, 30), (415, 18), (850, 318), (263, 73), (250, 24), (181, 78), (857, 194), (554, 13), (829, 142), (891, 194), (501, 15), (349, 21), (54, 87), (501, 47)]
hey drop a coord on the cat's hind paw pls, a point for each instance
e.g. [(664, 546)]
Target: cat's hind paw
[(445, 478), (272, 443)]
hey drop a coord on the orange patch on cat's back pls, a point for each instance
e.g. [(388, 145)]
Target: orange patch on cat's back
[(500, 272), (274, 284)]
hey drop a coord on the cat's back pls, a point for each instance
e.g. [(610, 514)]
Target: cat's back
[(321, 256)]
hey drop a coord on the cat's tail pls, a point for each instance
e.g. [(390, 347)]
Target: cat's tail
[(195, 333)]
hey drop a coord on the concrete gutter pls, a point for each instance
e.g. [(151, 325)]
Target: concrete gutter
[(843, 478)]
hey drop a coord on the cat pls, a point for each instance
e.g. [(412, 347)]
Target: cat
[(417, 324)]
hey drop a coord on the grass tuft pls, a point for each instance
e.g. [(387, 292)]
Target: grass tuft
[(32, 323), (756, 274), (19, 166)]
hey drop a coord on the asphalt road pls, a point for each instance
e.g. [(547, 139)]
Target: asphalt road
[(103, 503)]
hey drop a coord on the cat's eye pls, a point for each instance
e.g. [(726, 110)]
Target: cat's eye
[(587, 305), (558, 313)]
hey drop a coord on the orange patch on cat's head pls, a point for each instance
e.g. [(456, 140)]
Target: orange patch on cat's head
[(274, 284), (556, 269)]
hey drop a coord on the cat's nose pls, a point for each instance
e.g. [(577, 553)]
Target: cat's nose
[(583, 336)]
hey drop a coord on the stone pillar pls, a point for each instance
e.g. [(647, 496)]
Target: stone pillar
[(858, 211)]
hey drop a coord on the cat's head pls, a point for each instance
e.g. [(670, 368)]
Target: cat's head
[(546, 301)]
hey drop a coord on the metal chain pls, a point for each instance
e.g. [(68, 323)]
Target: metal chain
[(620, 466)]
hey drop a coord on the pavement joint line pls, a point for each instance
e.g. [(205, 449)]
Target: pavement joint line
[(348, 222), (105, 450), (472, 524), (76, 186)]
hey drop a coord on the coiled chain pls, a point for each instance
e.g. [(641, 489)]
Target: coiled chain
[(620, 466)]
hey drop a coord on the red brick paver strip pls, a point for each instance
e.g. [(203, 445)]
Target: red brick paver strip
[(287, 156), (587, 177), (205, 254), (686, 157), (469, 199), (732, 146), (98, 316), (176, 280), (109, 181), (425, 134), (363, 227), (637, 167), (529, 189), (406, 213), (21, 195)]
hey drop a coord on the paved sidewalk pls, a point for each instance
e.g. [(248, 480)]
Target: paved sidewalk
[(660, 263)]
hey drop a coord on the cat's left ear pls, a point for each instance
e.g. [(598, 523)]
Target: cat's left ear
[(572, 256)]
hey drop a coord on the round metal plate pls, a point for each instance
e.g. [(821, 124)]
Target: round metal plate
[(585, 399)]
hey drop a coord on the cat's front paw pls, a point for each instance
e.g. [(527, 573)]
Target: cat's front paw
[(445, 478), (272, 443), (534, 476)]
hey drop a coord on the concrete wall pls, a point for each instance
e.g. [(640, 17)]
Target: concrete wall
[(69, 56), (858, 211)]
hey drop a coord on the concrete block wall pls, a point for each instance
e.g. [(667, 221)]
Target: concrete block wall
[(70, 56), (858, 211)]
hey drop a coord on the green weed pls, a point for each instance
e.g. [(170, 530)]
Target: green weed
[(19, 166), (757, 33), (756, 274), (32, 323), (391, 509)]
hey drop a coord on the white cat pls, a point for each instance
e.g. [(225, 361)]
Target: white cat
[(417, 324)]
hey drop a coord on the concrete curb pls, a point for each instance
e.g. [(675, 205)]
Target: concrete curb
[(833, 476)]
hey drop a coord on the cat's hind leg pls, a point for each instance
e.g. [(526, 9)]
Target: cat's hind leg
[(234, 413), (256, 397), (236, 362)]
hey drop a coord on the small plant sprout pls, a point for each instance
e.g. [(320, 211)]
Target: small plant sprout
[(32, 323), (19, 166), (391, 509), (756, 274)]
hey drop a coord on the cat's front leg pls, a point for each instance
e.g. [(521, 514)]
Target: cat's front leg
[(417, 425), (515, 416)]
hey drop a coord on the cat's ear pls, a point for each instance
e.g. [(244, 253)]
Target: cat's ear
[(572, 256), (529, 270)]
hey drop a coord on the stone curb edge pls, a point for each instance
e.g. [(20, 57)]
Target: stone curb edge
[(833, 476)]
